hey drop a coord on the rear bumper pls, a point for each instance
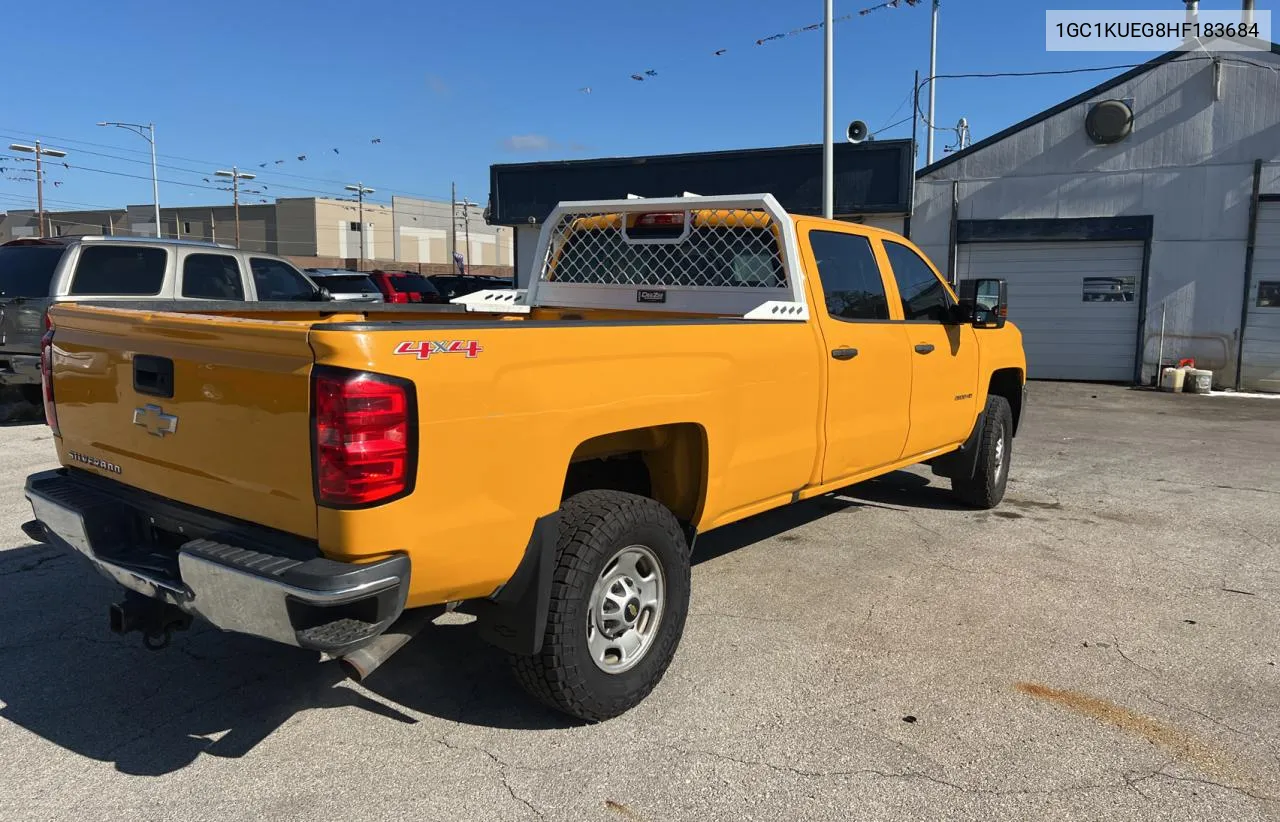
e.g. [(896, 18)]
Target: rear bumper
[(19, 369), (238, 584)]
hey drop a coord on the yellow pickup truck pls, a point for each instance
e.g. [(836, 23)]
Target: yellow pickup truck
[(333, 476)]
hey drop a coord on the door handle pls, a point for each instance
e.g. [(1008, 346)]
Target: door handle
[(844, 353), (924, 348)]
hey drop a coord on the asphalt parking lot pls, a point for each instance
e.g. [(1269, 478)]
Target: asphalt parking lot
[(1103, 645)]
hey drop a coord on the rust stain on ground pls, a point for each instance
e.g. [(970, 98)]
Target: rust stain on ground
[(622, 810), (1182, 745)]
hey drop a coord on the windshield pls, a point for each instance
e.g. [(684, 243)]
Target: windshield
[(26, 270)]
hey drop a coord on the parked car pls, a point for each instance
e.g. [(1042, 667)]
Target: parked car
[(546, 471), (35, 273), (346, 286), (459, 285), (405, 287)]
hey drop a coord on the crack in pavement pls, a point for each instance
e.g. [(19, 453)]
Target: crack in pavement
[(33, 564), (502, 765), (1160, 773)]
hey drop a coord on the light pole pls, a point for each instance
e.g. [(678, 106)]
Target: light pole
[(39, 151), (828, 121), (236, 176), (933, 71), (360, 190), (148, 133)]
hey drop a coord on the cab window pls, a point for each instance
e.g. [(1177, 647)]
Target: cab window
[(279, 281), (850, 277), (211, 277), (924, 297)]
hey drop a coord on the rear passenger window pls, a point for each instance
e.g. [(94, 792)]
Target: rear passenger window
[(115, 270), (211, 277), (850, 277), (278, 281), (923, 295)]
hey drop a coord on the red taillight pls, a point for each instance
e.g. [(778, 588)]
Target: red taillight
[(399, 297), (46, 380), (365, 437)]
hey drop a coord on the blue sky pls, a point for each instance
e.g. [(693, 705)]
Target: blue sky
[(450, 88)]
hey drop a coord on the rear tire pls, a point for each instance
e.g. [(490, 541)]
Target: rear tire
[(986, 487), (619, 599)]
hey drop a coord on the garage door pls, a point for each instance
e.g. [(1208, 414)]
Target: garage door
[(1261, 364), (1075, 302)]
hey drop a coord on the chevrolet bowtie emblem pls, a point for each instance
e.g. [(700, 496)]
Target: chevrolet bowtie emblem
[(155, 420)]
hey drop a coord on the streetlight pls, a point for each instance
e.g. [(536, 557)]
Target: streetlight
[(39, 151), (236, 176), (828, 120), (360, 189), (150, 136)]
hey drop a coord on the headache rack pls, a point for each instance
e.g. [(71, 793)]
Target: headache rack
[(729, 256)]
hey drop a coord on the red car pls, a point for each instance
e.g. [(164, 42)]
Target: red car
[(405, 287)]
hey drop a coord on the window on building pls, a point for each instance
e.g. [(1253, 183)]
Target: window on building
[(186, 227), (212, 277), (850, 277), (119, 270), (57, 231), (355, 226), (924, 297), (1268, 294), (276, 280)]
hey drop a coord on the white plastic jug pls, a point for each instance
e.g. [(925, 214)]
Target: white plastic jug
[(1171, 379)]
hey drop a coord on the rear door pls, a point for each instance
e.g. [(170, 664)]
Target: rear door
[(944, 354), (868, 365)]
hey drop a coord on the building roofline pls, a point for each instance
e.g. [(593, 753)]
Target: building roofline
[(693, 155), (1082, 97)]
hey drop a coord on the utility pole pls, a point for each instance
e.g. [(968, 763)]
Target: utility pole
[(236, 176), (39, 151), (466, 216), (828, 120), (933, 74), (453, 220), (137, 129), (360, 190)]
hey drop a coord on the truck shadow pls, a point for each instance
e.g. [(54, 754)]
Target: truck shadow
[(65, 678)]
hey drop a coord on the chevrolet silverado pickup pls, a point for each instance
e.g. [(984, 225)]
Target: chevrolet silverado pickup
[(331, 476)]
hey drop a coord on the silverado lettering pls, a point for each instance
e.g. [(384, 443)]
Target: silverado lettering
[(553, 488)]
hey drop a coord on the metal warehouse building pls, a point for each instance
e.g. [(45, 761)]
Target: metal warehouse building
[(1145, 209)]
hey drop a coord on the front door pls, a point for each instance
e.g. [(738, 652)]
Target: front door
[(868, 359), (944, 355)]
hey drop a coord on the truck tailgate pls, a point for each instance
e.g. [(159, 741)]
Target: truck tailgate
[(229, 432)]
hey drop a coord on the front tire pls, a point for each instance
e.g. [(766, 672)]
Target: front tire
[(986, 487), (619, 599)]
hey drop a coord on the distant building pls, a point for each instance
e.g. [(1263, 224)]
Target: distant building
[(318, 231)]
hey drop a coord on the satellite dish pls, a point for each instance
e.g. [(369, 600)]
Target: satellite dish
[(857, 132)]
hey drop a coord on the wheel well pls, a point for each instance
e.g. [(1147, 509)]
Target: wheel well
[(664, 462), (1007, 383)]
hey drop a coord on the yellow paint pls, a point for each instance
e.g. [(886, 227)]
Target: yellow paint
[(733, 419)]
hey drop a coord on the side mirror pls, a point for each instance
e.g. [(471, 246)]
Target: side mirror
[(984, 302), (324, 295)]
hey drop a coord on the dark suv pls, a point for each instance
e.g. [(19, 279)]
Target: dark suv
[(405, 287)]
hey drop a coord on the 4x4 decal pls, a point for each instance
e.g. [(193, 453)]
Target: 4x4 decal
[(424, 349)]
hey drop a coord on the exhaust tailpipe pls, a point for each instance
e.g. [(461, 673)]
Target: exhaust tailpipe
[(360, 663)]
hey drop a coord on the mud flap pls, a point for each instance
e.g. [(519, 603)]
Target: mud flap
[(515, 618), (961, 463)]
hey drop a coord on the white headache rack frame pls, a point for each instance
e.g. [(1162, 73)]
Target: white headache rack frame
[(729, 256)]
